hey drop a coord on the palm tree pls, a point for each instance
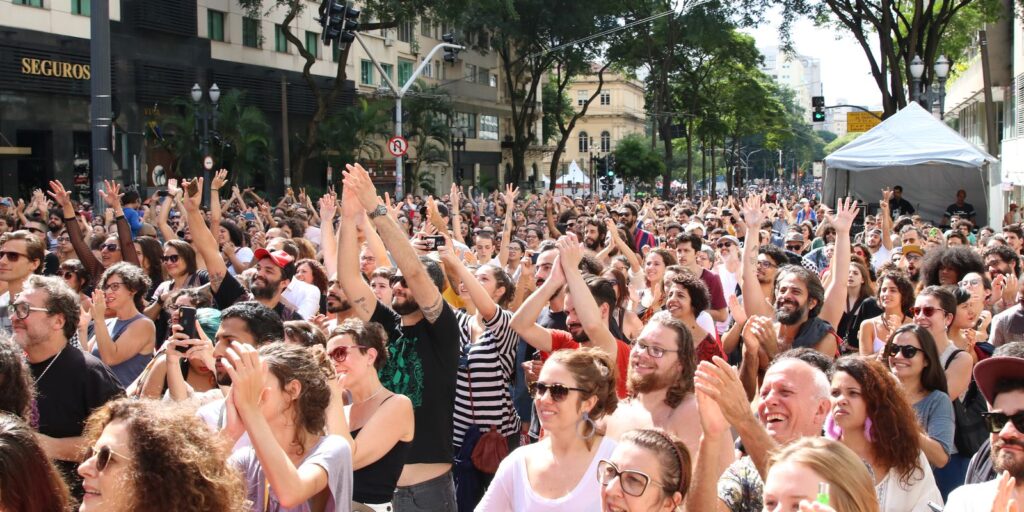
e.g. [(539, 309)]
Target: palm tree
[(427, 129), (355, 133)]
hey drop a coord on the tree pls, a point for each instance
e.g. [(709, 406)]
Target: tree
[(389, 14), (355, 133), (635, 160), (426, 127), (839, 142), (565, 122), (902, 30)]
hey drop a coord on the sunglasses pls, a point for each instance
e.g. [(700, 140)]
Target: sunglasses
[(794, 247), (109, 247), (12, 256), (997, 420), (23, 309), (908, 351), (558, 392), (969, 282), (102, 456), (766, 264), (723, 245), (172, 258), (927, 310), (655, 352), (340, 354), (633, 482)]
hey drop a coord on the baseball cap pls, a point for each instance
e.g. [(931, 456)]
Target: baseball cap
[(794, 236), (280, 258), (989, 372), (730, 238), (913, 249)]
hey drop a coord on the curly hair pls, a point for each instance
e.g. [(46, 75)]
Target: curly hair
[(28, 478), (15, 380), (317, 270), (891, 415), (170, 444), (311, 367), (700, 298), (962, 259), (304, 333), (903, 284), (134, 278)]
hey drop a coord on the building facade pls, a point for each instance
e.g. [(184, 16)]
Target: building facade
[(800, 73)]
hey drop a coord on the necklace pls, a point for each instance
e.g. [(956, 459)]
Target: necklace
[(54, 360), (367, 399)]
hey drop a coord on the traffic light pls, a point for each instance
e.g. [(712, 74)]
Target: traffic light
[(339, 22), (818, 102), (349, 25), (450, 54)]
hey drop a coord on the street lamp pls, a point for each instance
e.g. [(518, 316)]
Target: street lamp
[(458, 148), (942, 72), (207, 112), (927, 96)]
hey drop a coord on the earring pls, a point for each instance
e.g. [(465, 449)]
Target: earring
[(832, 430), (589, 427)]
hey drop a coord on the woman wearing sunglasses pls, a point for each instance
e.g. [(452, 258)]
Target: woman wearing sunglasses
[(179, 262), (648, 471), (896, 297), (871, 416), (384, 419), (913, 359), (126, 341), (147, 455), (934, 309), (280, 396), (813, 469), (575, 388)]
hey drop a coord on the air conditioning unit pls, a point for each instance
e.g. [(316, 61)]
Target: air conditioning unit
[(389, 41)]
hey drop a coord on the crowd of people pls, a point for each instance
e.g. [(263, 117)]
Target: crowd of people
[(503, 351)]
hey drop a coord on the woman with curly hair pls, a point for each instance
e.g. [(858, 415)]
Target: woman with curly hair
[(15, 381), (896, 297), (29, 482), (871, 416), (145, 455), (946, 266), (686, 298), (126, 342), (279, 396), (311, 271)]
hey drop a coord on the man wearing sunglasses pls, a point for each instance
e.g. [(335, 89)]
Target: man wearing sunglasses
[(69, 383), (422, 342), (1001, 381), (20, 256)]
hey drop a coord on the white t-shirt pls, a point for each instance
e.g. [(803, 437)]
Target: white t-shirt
[(510, 490), (212, 414), (973, 497), (244, 255), (304, 297), (880, 257), (729, 282)]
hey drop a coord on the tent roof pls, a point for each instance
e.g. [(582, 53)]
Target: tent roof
[(911, 137)]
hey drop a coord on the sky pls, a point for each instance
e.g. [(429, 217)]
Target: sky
[(845, 72)]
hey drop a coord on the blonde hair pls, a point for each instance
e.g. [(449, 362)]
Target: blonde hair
[(852, 488)]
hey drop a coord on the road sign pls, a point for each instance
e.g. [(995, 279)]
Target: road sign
[(208, 163), (397, 146), (862, 121)]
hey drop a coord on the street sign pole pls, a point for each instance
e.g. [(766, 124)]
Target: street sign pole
[(100, 109)]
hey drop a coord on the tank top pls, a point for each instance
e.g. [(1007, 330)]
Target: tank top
[(375, 483), (128, 370)]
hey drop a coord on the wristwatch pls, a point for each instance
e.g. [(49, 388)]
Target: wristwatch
[(379, 211)]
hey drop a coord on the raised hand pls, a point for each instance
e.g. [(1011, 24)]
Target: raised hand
[(569, 252), (753, 212), (510, 196), (173, 189), (362, 186), (328, 205), (112, 194), (193, 197), (246, 371), (219, 179), (99, 304), (62, 197), (842, 220), (721, 383)]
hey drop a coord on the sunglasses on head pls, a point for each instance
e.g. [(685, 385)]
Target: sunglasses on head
[(558, 392), (102, 456), (340, 354), (927, 310), (908, 351), (997, 420), (171, 258)]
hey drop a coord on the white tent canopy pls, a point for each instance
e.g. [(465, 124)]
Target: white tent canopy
[(573, 175), (917, 151)]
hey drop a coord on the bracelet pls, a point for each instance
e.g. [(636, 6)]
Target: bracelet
[(118, 217), (69, 219)]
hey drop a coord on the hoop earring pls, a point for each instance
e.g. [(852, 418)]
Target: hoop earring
[(588, 426)]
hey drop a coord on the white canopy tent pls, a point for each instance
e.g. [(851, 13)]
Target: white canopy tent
[(917, 151)]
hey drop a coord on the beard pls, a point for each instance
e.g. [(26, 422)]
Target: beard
[(405, 306), (1007, 462), (790, 318), (262, 289), (646, 383), (223, 378), (593, 245), (580, 335), (337, 305)]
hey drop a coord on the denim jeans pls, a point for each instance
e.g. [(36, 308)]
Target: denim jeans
[(434, 495)]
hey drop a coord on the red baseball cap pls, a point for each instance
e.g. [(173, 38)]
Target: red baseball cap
[(989, 372), (280, 258)]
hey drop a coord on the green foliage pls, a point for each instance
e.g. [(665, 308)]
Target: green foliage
[(839, 142), (557, 107), (635, 161), (427, 129), (827, 136), (355, 133)]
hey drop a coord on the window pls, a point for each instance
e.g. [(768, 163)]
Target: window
[(280, 43), (404, 71), (606, 142), (30, 3), (488, 127), (426, 30), (366, 72), (428, 71), (481, 75), (311, 44), (606, 98), (471, 71), (251, 32), (405, 32), (389, 70), (214, 25), (584, 142), (581, 98), (493, 80), (81, 7), (467, 122)]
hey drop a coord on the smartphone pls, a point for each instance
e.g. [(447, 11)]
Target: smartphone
[(433, 242), (187, 321), (161, 193), (249, 216), (192, 187)]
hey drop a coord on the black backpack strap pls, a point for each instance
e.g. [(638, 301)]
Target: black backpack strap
[(952, 357)]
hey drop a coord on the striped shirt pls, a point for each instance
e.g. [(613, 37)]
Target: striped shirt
[(492, 361)]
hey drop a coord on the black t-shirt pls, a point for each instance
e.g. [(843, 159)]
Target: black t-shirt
[(231, 291), (423, 360), (900, 207), (965, 212), (66, 395), (51, 264)]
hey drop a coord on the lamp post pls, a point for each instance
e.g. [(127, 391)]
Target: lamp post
[(458, 148), (931, 94), (207, 112)]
